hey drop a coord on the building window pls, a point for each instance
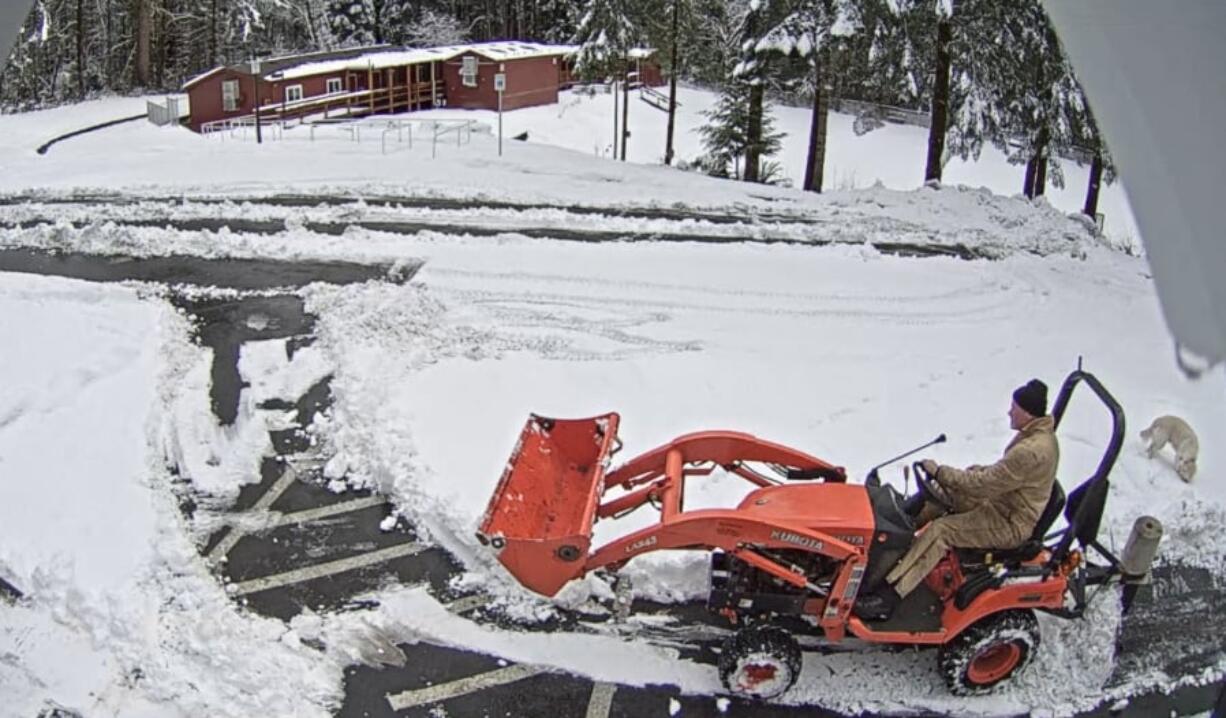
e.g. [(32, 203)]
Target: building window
[(293, 93), (229, 95), (468, 72), (335, 85)]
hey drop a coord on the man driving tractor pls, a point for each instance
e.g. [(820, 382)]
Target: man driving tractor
[(991, 507)]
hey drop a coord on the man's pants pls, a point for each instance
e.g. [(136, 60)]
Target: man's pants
[(974, 529)]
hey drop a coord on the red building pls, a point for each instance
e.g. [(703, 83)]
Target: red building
[(378, 80)]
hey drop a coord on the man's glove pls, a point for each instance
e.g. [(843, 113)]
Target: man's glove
[(931, 467)]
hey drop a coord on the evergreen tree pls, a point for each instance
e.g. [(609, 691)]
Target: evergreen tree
[(1018, 90), (805, 32), (740, 133), (607, 32), (433, 29), (724, 135), (368, 22), (751, 70), (605, 36)]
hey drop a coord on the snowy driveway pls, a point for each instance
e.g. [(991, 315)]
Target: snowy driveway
[(844, 351)]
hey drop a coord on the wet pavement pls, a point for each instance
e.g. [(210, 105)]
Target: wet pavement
[(318, 550)]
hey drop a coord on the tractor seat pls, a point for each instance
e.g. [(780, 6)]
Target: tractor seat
[(1031, 547)]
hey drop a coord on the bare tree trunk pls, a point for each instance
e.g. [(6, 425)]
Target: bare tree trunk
[(144, 32), (940, 104), (213, 32), (1036, 168), (753, 133), (815, 166), (672, 90), (1096, 178), (81, 49), (1040, 175)]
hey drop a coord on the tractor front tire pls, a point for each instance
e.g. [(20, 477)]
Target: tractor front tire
[(989, 652), (759, 662)]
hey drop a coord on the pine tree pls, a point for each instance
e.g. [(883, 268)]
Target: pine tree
[(606, 34), (805, 32), (1018, 90), (752, 71), (740, 132), (431, 28), (724, 136), (368, 22)]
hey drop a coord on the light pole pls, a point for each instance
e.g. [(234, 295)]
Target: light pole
[(255, 82), (500, 85)]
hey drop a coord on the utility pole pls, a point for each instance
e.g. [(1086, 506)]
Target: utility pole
[(255, 82), (613, 86), (626, 106)]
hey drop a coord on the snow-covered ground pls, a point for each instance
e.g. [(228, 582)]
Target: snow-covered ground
[(841, 351), (172, 160)]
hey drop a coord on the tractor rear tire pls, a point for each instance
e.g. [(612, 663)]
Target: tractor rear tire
[(759, 662), (989, 652)]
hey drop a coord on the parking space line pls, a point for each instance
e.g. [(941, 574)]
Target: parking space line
[(601, 701), (274, 492), (326, 569), (464, 686), (323, 512)]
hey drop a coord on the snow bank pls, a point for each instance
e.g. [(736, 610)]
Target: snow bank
[(120, 615)]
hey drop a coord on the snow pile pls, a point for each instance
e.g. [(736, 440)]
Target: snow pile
[(217, 460), (970, 221), (120, 616)]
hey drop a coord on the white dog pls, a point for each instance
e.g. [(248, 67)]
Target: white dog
[(1176, 432)]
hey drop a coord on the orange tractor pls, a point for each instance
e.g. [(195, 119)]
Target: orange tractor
[(801, 549)]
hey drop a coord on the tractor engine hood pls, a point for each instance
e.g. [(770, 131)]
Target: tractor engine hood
[(841, 510)]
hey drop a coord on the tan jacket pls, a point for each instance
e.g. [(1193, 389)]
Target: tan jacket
[(1012, 493)]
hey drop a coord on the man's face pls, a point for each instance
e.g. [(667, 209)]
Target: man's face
[(1018, 417)]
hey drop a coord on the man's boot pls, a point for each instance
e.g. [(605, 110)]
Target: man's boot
[(877, 605)]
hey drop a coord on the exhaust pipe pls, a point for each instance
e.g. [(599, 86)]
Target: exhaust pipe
[(1138, 557), (1141, 549)]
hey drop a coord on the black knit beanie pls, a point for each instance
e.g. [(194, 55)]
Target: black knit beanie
[(1032, 397)]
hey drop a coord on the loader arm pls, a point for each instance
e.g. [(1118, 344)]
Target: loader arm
[(541, 517)]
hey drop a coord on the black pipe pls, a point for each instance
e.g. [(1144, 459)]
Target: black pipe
[(872, 473)]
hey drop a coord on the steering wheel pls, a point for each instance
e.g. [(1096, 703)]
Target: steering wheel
[(929, 487)]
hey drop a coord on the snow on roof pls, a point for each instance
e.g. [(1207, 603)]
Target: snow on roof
[(512, 50), (497, 51), (203, 76), (377, 60)]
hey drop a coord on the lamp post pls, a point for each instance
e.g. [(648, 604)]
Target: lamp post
[(255, 82)]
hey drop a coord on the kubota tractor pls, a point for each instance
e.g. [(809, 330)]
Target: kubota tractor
[(805, 543)]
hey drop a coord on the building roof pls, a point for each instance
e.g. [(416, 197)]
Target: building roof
[(515, 50), (292, 67), (271, 65), (380, 59), (385, 57), (203, 76)]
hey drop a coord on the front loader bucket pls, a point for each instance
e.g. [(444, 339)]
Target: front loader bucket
[(540, 517)]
